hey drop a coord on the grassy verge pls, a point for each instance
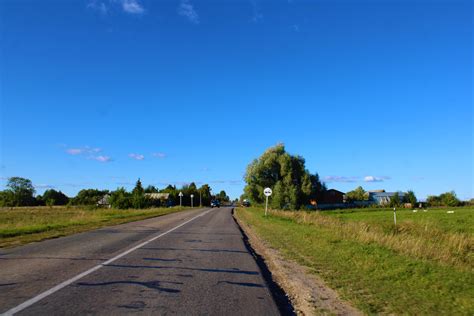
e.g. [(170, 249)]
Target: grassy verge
[(422, 266), (27, 224)]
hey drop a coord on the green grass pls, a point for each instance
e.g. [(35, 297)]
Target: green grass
[(461, 221), (22, 225), (422, 266)]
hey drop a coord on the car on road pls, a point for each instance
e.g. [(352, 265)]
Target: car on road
[(215, 203), (246, 203)]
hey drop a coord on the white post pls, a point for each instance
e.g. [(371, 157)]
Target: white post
[(266, 206), (267, 193), (394, 217)]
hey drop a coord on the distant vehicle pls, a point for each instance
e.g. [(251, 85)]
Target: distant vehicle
[(246, 203), (215, 203)]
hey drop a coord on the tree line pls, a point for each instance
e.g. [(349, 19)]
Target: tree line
[(21, 192), (444, 199), (294, 186)]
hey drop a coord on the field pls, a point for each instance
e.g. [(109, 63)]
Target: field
[(22, 225), (424, 265)]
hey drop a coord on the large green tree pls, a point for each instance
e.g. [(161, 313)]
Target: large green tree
[(54, 197), (88, 196), (410, 197), (151, 189), (138, 196), (358, 194), (395, 200), (205, 191), (20, 192), (444, 199), (120, 199), (292, 184), (6, 198), (449, 199), (222, 196), (173, 194)]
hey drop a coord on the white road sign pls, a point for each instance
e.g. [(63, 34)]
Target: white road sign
[(267, 192), (180, 194)]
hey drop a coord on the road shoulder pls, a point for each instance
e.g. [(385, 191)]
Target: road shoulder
[(309, 294)]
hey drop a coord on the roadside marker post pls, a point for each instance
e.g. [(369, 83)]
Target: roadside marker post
[(267, 193), (180, 199), (192, 198), (394, 216)]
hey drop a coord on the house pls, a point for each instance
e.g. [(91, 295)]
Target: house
[(381, 197), (332, 196), (330, 199), (104, 201)]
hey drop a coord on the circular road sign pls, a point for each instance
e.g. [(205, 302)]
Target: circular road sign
[(267, 191), (192, 195)]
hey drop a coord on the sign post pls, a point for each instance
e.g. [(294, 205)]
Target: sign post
[(192, 198), (180, 199), (267, 193), (394, 216)]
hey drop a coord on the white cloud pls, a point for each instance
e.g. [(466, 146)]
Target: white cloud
[(375, 179), (101, 158), (340, 179), (104, 6), (99, 6), (90, 153), (159, 155), (187, 10), (83, 150), (74, 151), (132, 6), (136, 156)]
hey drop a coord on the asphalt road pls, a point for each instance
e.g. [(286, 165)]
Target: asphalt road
[(192, 263)]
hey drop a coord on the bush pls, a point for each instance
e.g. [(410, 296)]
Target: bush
[(88, 197), (444, 199), (120, 199)]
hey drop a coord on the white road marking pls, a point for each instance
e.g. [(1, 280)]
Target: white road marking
[(58, 287)]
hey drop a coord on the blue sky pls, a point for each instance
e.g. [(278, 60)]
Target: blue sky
[(372, 93)]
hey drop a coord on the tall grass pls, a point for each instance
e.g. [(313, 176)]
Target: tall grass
[(419, 267), (408, 237), (21, 225)]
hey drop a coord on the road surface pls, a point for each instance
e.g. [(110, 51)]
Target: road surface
[(192, 262)]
